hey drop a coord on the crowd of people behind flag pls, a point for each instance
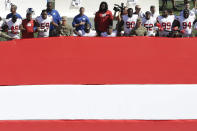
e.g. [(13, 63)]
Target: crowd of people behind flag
[(130, 22)]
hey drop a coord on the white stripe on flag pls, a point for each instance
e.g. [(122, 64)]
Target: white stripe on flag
[(98, 102)]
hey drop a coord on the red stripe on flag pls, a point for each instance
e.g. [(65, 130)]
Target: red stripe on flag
[(99, 125), (74, 60)]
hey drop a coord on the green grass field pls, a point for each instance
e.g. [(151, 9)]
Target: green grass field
[(179, 5)]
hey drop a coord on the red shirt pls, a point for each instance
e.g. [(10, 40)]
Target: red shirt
[(103, 20), (29, 28)]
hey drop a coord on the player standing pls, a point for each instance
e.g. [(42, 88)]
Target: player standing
[(14, 27), (129, 22), (149, 22), (43, 23), (165, 24), (154, 15)]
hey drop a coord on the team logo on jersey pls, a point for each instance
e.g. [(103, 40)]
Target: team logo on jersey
[(54, 13), (29, 24), (84, 18)]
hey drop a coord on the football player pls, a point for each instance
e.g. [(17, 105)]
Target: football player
[(154, 15), (129, 22), (185, 23), (43, 23), (109, 33), (164, 24), (149, 22), (87, 32), (13, 26)]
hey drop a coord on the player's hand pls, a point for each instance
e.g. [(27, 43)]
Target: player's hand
[(158, 25), (182, 31), (175, 28), (15, 32), (82, 23), (161, 29)]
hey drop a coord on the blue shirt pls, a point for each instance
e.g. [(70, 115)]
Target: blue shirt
[(10, 16), (56, 17), (78, 19)]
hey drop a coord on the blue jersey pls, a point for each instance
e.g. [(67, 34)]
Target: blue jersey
[(10, 16), (56, 17), (78, 19)]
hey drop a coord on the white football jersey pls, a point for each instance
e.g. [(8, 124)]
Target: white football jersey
[(166, 24), (186, 24), (44, 25), (154, 16), (14, 28), (92, 33), (104, 34), (129, 23), (149, 24)]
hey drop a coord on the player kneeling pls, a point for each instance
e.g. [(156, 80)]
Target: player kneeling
[(109, 33), (164, 24), (129, 22), (43, 23), (87, 32), (184, 23), (149, 23), (13, 27)]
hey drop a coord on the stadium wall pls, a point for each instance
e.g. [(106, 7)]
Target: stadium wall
[(65, 6)]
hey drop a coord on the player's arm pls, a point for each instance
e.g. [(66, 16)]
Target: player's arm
[(88, 21), (74, 23), (38, 27), (22, 28), (146, 32), (111, 19), (71, 31), (95, 22), (194, 21), (54, 24), (119, 17), (5, 27)]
